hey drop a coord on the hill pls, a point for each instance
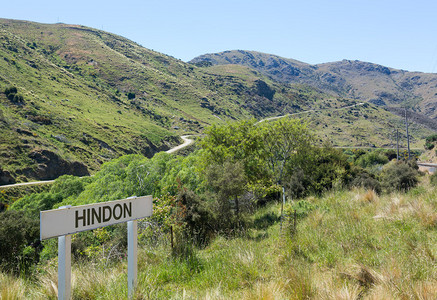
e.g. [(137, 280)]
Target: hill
[(73, 97), (81, 96), (357, 80)]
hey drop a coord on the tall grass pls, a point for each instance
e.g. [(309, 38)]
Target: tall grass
[(352, 245)]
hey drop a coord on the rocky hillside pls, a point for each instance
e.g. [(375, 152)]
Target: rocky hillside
[(353, 79), (73, 97)]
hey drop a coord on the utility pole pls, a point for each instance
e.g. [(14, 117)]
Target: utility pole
[(408, 135), (397, 144)]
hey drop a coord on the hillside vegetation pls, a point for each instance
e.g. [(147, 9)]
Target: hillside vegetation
[(73, 97), (349, 245), (355, 226), (357, 80)]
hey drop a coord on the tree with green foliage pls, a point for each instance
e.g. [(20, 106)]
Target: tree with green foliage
[(195, 214), (284, 141), (229, 182), (238, 141), (429, 142), (64, 188)]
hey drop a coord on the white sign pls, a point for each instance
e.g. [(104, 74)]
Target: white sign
[(68, 220)]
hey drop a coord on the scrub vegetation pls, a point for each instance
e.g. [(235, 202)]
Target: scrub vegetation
[(77, 97), (348, 230)]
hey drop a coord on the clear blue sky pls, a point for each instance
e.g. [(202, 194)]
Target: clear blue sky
[(395, 33)]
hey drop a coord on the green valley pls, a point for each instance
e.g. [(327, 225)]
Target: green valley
[(74, 97)]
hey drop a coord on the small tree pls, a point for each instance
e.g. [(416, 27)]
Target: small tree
[(229, 182), (284, 141), (239, 141)]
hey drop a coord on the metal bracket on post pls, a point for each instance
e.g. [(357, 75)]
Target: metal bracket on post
[(132, 257), (64, 266)]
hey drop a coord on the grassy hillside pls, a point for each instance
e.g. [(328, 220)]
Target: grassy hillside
[(73, 97), (342, 121), (216, 229), (90, 96), (352, 79)]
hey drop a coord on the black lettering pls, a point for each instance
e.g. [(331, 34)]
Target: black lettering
[(114, 212), (106, 218), (97, 216), (79, 218), (128, 210), (88, 216)]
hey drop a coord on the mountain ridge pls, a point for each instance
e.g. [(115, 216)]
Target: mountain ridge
[(76, 97), (355, 79)]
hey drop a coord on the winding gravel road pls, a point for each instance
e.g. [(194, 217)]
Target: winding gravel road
[(188, 141)]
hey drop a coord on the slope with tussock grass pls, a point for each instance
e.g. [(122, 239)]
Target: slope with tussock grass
[(349, 245), (88, 96)]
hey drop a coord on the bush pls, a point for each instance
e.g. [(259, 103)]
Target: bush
[(399, 176), (370, 159), (319, 170), (10, 90), (63, 187), (429, 141), (19, 246), (366, 180), (433, 179), (11, 94), (18, 99), (195, 216)]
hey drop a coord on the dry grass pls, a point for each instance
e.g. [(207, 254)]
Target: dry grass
[(11, 288), (354, 245)]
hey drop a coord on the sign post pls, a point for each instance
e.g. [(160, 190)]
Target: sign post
[(67, 220), (132, 256), (64, 267)]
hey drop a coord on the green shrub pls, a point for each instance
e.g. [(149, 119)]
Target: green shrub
[(195, 217), (19, 246), (429, 146), (399, 176), (10, 90), (319, 170), (429, 141), (64, 187), (366, 180), (18, 98), (433, 179), (370, 159)]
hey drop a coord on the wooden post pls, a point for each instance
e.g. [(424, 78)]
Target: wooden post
[(282, 206), (408, 135), (397, 144), (171, 237)]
